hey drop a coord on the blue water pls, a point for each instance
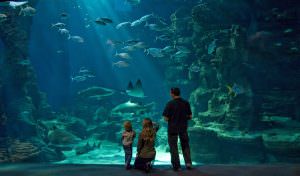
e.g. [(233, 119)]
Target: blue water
[(54, 70)]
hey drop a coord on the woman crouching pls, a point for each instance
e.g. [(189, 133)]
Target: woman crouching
[(146, 146)]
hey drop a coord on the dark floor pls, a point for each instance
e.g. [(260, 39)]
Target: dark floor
[(102, 170)]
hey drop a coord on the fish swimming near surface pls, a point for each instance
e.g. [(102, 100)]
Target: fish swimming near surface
[(130, 109), (135, 91), (123, 24), (58, 25), (154, 52), (120, 64), (106, 20), (64, 31), (136, 23), (64, 15), (129, 48), (146, 17), (13, 4), (123, 55), (100, 22), (140, 45), (163, 38), (78, 79), (77, 39), (168, 49), (179, 54), (133, 2)]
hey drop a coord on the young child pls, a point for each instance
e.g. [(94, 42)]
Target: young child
[(127, 140)]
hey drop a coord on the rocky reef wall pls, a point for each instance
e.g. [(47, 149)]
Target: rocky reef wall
[(22, 105), (245, 97)]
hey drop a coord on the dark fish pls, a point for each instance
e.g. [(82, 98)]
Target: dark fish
[(100, 22), (64, 15), (106, 20), (131, 42)]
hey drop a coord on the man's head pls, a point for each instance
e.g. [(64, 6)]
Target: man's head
[(175, 92)]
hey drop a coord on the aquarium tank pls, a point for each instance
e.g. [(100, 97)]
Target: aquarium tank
[(72, 71)]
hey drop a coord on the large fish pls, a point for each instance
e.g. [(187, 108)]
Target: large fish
[(130, 109), (96, 93)]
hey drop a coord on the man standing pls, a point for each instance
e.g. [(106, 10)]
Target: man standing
[(177, 113)]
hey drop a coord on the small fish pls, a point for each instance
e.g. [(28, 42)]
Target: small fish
[(146, 17), (179, 54), (77, 39), (129, 48), (154, 52), (63, 31), (24, 62), (123, 55), (121, 64), (83, 70), (27, 11), (113, 43), (133, 2), (212, 47), (100, 22), (78, 78), (123, 24), (289, 30), (58, 25), (106, 20), (3, 17), (194, 68), (131, 42), (64, 15), (168, 49), (136, 23), (89, 75), (140, 45), (183, 49), (163, 38), (59, 51), (155, 27)]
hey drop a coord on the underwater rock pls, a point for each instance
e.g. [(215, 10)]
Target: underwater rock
[(222, 146), (101, 114), (62, 137), (16, 151), (86, 148), (282, 142)]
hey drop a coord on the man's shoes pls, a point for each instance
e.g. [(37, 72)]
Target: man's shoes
[(176, 169), (148, 167), (128, 167), (188, 166)]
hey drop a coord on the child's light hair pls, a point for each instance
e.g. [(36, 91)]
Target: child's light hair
[(127, 125)]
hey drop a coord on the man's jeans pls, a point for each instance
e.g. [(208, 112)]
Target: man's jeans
[(184, 141), (128, 154)]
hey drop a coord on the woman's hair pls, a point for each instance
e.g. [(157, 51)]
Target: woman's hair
[(127, 126), (148, 133)]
